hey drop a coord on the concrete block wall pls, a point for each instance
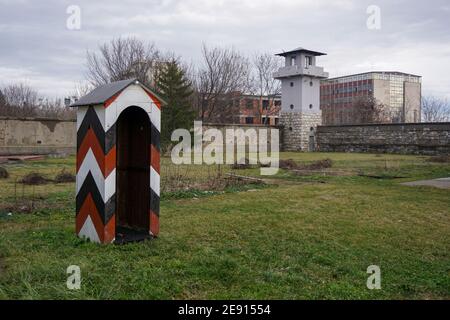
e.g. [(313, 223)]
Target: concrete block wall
[(409, 138), (20, 136)]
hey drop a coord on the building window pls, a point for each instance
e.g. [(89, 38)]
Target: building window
[(290, 128), (308, 61), (311, 83), (310, 106), (292, 106), (265, 104), (292, 84), (249, 104), (249, 120), (293, 59), (277, 103)]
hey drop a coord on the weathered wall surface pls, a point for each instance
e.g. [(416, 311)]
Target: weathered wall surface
[(36, 136), (410, 138), (267, 131)]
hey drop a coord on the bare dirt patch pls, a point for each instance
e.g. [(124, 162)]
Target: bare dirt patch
[(440, 159), (34, 178), (316, 165)]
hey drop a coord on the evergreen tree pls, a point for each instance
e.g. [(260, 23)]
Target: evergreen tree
[(2, 99), (174, 87)]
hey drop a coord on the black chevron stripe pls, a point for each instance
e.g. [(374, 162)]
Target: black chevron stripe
[(155, 137), (154, 202), (107, 139), (106, 210)]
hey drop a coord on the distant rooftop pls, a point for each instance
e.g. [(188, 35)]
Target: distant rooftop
[(300, 49), (376, 72)]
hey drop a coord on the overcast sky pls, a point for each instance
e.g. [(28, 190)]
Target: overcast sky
[(37, 47)]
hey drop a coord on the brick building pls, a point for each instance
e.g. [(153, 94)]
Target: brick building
[(254, 109), (399, 93)]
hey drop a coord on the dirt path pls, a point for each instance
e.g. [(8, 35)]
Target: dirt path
[(442, 183)]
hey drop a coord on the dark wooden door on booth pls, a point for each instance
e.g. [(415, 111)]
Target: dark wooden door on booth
[(133, 169)]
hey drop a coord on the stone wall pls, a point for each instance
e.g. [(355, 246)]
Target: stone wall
[(297, 130), (411, 138), (20, 136)]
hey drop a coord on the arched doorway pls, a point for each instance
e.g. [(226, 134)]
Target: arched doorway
[(133, 175)]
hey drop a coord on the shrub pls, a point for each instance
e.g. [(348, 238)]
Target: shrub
[(64, 177), (34, 178), (3, 173)]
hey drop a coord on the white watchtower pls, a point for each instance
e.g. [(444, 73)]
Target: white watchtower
[(300, 98)]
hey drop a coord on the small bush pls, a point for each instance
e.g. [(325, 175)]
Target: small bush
[(3, 173), (288, 164), (320, 164), (64, 177), (34, 178)]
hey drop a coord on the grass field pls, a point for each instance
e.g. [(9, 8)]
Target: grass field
[(300, 237)]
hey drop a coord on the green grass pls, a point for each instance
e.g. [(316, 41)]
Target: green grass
[(307, 237)]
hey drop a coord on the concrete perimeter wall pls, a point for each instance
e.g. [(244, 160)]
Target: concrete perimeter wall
[(410, 138), (20, 136)]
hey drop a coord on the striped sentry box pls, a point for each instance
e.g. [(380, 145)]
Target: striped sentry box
[(97, 199)]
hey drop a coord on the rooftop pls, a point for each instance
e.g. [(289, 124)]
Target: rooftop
[(375, 72), (300, 49), (102, 93)]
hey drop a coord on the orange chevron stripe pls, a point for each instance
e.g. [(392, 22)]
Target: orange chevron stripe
[(154, 224), (155, 158), (110, 230), (89, 209), (106, 163), (107, 233), (154, 99)]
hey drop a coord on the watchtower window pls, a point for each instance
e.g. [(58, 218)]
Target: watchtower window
[(293, 61), (308, 61)]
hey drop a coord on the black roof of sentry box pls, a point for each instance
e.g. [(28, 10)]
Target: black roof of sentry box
[(102, 93), (300, 49)]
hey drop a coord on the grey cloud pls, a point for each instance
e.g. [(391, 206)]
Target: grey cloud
[(414, 36)]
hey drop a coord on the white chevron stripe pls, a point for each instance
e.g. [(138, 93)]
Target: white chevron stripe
[(154, 180), (88, 231), (106, 187), (155, 117)]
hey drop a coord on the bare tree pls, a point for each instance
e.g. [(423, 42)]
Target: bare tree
[(224, 75), (122, 58), (81, 89), (264, 84), (367, 109), (435, 109), (20, 100)]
